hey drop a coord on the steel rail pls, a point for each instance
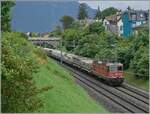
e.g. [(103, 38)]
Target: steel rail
[(133, 105), (129, 104)]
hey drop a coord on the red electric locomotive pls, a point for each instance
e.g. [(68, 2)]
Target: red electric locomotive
[(112, 72)]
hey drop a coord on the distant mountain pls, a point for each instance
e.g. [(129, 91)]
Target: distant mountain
[(30, 16)]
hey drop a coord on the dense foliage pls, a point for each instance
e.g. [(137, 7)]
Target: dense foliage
[(5, 15), (139, 49), (109, 11), (18, 92), (66, 21), (82, 14), (94, 42), (96, 27), (56, 32), (33, 34), (98, 14)]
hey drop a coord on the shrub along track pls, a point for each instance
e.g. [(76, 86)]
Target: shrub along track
[(117, 99)]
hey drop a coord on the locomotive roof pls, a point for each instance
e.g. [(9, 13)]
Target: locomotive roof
[(109, 64)]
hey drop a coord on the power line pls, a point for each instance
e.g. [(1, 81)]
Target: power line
[(136, 73)]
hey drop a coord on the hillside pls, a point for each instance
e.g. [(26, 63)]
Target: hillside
[(31, 16), (31, 82), (61, 93)]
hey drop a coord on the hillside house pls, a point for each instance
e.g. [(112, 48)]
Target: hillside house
[(132, 19), (137, 28), (114, 23), (125, 23)]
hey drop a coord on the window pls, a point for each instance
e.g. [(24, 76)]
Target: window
[(141, 15), (133, 16), (121, 28), (113, 68), (120, 68)]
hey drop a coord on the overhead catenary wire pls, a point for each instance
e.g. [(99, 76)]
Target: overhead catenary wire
[(136, 73), (115, 56)]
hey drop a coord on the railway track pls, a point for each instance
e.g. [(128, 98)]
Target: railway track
[(136, 90), (125, 98)]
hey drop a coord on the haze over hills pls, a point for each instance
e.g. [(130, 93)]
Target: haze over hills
[(30, 16)]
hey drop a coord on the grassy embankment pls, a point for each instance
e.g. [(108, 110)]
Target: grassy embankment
[(139, 83), (61, 93), (23, 63)]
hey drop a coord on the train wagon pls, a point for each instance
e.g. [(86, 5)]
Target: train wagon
[(76, 61), (86, 64), (68, 58)]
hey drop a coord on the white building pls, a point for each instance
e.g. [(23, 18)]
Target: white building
[(120, 27), (114, 23)]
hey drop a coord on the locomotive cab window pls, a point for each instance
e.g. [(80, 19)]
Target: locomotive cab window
[(120, 68), (113, 68)]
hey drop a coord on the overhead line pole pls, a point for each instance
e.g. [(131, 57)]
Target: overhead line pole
[(61, 51)]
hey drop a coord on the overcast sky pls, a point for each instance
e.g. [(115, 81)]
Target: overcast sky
[(118, 4)]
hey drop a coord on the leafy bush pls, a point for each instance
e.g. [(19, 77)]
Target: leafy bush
[(70, 37), (109, 11), (34, 34), (66, 21), (140, 63), (56, 32), (87, 46), (96, 27), (18, 66), (6, 15)]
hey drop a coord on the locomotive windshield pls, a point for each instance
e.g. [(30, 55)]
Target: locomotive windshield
[(114, 68), (120, 68)]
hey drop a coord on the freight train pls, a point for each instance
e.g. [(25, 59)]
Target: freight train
[(111, 72)]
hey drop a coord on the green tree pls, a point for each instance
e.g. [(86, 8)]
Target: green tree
[(139, 51), (34, 34), (76, 25), (123, 52), (107, 47), (18, 92), (140, 63), (87, 45), (98, 14), (70, 37), (109, 11), (57, 32), (5, 15), (67, 21), (96, 27), (82, 14)]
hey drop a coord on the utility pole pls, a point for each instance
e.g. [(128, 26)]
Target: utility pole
[(61, 51), (74, 46)]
